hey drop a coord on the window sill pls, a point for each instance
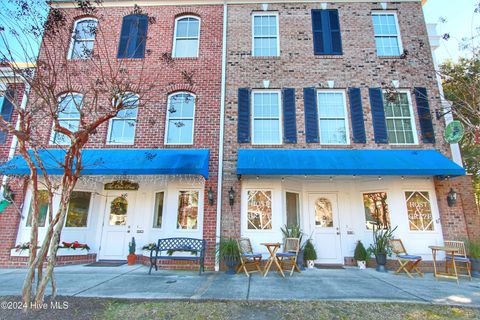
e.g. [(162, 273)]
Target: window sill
[(116, 144), (185, 58), (266, 57), (340, 56), (390, 57)]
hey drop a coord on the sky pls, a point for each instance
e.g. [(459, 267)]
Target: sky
[(461, 21)]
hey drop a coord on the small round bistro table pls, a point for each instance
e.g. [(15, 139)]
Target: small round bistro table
[(449, 251), (272, 248)]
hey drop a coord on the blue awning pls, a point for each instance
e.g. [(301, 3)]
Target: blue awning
[(346, 162), (121, 162)]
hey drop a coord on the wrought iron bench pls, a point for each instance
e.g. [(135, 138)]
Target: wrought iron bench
[(166, 247)]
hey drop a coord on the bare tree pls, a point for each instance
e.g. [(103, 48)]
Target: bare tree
[(77, 86)]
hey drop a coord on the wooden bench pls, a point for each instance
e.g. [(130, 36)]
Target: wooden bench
[(166, 247)]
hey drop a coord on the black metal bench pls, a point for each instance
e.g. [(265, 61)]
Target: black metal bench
[(166, 247)]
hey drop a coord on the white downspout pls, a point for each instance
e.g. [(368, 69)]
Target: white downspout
[(222, 123)]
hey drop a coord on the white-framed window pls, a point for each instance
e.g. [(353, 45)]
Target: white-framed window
[(399, 118), (266, 117), (122, 127), (42, 209), (387, 34), (419, 211), (83, 39), (187, 37), (265, 34), (69, 106), (180, 118), (78, 209), (332, 115), (158, 209), (187, 213), (259, 210)]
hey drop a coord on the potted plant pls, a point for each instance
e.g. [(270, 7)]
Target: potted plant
[(360, 255), (380, 247), (227, 251), (295, 232), (309, 254), (474, 255), (132, 257)]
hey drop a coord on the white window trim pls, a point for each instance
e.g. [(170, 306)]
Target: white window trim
[(299, 209), (244, 223), (346, 117), (266, 13), (199, 212), (364, 220), (174, 46), (52, 134), (163, 209), (280, 117), (168, 119), (89, 214), (412, 120), (27, 211), (72, 40), (435, 213), (399, 35), (110, 126)]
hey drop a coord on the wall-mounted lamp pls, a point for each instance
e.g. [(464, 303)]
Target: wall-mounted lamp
[(210, 196), (231, 196), (452, 197), (8, 193)]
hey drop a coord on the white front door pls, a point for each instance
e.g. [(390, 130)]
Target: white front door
[(117, 221), (323, 211)]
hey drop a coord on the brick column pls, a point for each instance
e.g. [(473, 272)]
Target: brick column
[(462, 220)]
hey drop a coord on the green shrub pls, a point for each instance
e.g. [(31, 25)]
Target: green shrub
[(473, 249), (360, 253), (228, 248), (309, 252)]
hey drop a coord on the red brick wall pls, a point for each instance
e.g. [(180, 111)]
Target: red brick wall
[(162, 78), (462, 220)]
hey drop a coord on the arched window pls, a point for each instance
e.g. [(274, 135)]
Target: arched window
[(122, 127), (133, 37), (180, 118), (69, 106), (83, 38), (186, 39)]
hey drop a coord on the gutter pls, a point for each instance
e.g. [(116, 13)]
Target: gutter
[(222, 130)]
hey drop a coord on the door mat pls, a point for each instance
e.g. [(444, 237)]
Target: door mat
[(115, 263), (329, 266)]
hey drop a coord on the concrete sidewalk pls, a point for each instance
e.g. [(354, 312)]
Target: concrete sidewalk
[(326, 284)]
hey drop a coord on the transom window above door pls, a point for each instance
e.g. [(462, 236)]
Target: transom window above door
[(186, 39), (266, 116), (399, 119), (180, 118), (122, 127), (333, 123), (265, 35)]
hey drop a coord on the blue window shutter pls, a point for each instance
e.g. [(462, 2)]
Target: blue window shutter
[(244, 96), (317, 26), (378, 115), (7, 110), (311, 114), (133, 36), (289, 116), (424, 115), (335, 34), (326, 32), (356, 111)]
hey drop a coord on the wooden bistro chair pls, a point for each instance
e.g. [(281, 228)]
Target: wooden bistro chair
[(461, 260), (289, 255), (408, 263), (248, 258)]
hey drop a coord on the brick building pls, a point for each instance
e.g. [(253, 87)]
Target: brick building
[(320, 114), (330, 124)]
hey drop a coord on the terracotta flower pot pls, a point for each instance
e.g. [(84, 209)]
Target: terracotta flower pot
[(131, 258)]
